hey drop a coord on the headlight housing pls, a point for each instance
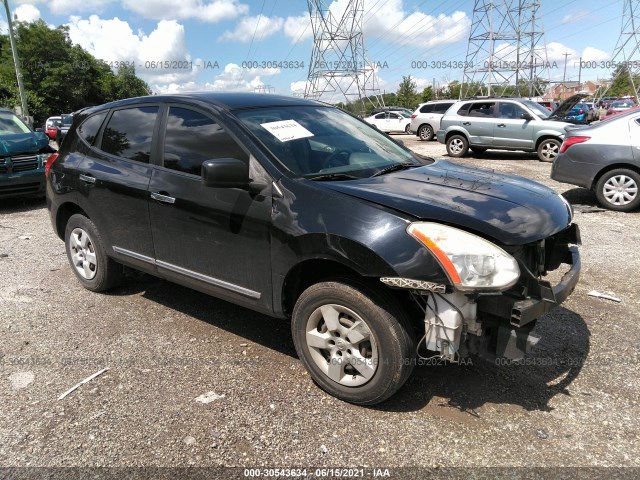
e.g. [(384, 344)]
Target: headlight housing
[(471, 262)]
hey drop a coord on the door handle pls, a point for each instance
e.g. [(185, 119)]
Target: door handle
[(87, 178), (163, 198), (466, 123), (501, 125)]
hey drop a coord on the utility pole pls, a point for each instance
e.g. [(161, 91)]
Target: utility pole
[(564, 75), (16, 61)]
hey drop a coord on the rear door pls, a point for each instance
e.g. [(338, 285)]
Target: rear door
[(114, 178), (510, 130), (479, 122), (216, 240)]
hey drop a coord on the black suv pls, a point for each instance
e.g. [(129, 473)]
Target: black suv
[(299, 210)]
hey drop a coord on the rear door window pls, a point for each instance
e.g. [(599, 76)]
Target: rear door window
[(129, 132)]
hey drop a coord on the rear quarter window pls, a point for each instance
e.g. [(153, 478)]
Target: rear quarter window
[(88, 130), (442, 107)]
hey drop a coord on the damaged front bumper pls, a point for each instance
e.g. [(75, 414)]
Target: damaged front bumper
[(499, 324)]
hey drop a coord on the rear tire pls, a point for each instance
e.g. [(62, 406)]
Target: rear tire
[(425, 132), (354, 340), (457, 146), (407, 129), (87, 257), (618, 190)]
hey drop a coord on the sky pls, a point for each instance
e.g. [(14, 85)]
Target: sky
[(194, 45)]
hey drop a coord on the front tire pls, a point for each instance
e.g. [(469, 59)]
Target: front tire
[(87, 257), (354, 340), (618, 190), (457, 146), (425, 132), (548, 149)]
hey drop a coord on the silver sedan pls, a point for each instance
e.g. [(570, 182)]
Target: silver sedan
[(604, 157)]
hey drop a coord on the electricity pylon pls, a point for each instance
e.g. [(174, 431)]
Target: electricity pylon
[(506, 49), (339, 70), (627, 49)]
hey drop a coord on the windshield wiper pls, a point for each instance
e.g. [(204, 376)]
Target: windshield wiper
[(332, 176), (393, 168)]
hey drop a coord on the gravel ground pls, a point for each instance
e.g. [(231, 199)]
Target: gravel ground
[(573, 403)]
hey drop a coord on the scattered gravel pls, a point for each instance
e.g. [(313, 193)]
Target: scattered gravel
[(573, 402)]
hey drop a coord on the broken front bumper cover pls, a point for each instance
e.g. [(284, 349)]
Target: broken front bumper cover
[(541, 296)]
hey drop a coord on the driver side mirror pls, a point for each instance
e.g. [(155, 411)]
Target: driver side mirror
[(229, 173), (225, 173), (526, 116)]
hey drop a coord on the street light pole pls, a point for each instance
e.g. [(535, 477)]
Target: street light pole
[(16, 61)]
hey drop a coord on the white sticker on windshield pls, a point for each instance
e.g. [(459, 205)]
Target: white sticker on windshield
[(286, 130)]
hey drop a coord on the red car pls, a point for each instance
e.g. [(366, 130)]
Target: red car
[(51, 126)]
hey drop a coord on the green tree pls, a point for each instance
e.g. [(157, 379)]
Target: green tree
[(621, 82), (59, 77), (427, 94), (407, 94)]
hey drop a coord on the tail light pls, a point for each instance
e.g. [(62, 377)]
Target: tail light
[(414, 116), (572, 141), (52, 158), (580, 112), (609, 112)]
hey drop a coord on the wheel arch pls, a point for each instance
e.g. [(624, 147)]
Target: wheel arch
[(315, 270), (546, 136), (64, 213), (613, 166), (451, 133)]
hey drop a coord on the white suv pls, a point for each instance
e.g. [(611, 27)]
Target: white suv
[(425, 121)]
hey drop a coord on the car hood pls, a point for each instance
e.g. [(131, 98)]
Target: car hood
[(509, 209), (565, 107), (19, 143)]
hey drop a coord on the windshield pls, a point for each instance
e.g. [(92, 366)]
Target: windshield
[(316, 141), (67, 120), (10, 124), (622, 104), (537, 108)]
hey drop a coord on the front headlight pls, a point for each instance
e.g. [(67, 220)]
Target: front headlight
[(471, 262)]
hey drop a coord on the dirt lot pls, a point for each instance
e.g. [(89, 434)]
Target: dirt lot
[(573, 403)]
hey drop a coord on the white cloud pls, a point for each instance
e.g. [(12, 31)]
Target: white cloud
[(390, 22), (298, 28), (592, 54), (575, 16), (556, 53), (258, 27), (205, 10), (298, 88), (113, 40), (26, 13), (4, 27), (68, 7), (232, 79)]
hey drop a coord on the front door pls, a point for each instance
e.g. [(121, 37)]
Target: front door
[(214, 239), (512, 131)]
